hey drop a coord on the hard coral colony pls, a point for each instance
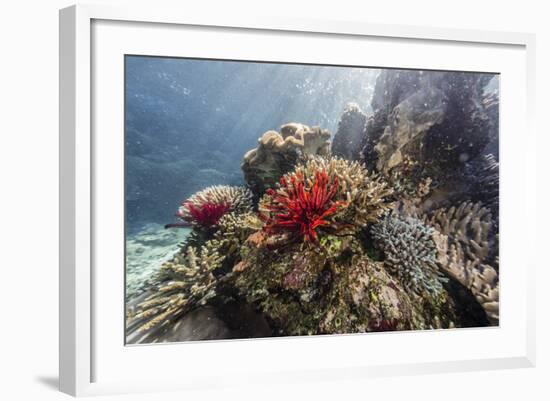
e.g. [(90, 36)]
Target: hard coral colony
[(205, 208), (319, 244)]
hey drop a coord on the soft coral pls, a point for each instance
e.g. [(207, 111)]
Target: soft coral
[(300, 209)]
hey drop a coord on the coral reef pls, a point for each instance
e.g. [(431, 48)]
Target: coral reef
[(311, 274), (278, 152), (410, 253), (367, 195), (349, 135), (205, 208), (358, 235), (466, 252), (315, 290), (233, 230), (333, 287), (391, 89), (181, 285), (390, 224), (328, 194)]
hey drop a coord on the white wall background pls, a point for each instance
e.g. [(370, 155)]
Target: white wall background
[(29, 187)]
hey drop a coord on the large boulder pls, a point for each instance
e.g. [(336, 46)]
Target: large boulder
[(347, 140), (439, 119)]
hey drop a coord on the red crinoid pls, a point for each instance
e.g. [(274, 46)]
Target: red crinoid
[(299, 209), (206, 214)]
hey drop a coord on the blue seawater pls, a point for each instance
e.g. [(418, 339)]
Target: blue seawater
[(188, 122)]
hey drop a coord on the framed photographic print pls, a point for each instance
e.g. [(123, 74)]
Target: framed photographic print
[(275, 198)]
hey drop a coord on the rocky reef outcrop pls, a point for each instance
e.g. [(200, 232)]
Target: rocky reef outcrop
[(348, 137), (439, 119), (393, 226)]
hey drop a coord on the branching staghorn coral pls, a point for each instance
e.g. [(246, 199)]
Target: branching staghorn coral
[(367, 194), (410, 253), (205, 208), (278, 153), (182, 284), (233, 230), (332, 195), (464, 252)]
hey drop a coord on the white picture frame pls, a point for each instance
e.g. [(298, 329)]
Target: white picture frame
[(80, 220)]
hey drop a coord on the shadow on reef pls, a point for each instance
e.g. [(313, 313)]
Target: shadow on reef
[(391, 226)]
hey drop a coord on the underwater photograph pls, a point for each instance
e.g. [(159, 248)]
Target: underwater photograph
[(281, 199)]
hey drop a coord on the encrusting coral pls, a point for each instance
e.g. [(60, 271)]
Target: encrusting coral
[(182, 284), (328, 288), (331, 287), (278, 152), (205, 208), (464, 252), (410, 253)]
